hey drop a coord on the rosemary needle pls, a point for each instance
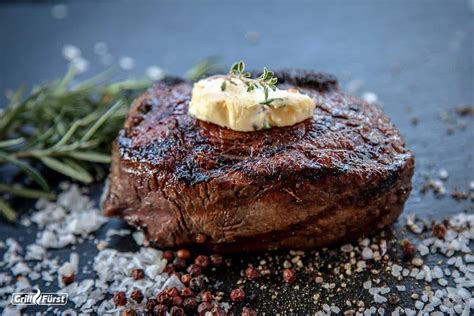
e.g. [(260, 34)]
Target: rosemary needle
[(68, 129)]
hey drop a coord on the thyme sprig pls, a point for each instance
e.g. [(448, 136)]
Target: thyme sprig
[(266, 81), (66, 128)]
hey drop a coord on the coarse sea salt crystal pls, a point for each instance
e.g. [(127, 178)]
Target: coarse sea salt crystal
[(126, 63), (100, 48), (423, 250), (21, 268), (139, 237), (80, 65), (370, 97), (442, 282), (71, 52), (396, 270), (437, 272), (443, 174), (379, 299), (384, 290), (155, 73), (367, 253), (401, 288), (367, 284), (347, 248)]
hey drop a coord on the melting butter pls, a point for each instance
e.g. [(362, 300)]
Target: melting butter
[(243, 111)]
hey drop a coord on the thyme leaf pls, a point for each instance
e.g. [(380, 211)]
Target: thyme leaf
[(266, 81)]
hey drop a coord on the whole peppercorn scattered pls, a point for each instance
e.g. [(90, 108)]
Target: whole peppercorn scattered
[(169, 269), (408, 248), (137, 296), (439, 230), (187, 292), (183, 254), (168, 255), (194, 270), (167, 296), (237, 295), (217, 311), (247, 311), (179, 263), (190, 303), (186, 278), (201, 238), (393, 299), (206, 296), (160, 310), (138, 274), (176, 311), (120, 299), (216, 260), (202, 261), (68, 279), (151, 303), (251, 273), (172, 291), (176, 300), (289, 276), (197, 284), (204, 307), (129, 312), (163, 297)]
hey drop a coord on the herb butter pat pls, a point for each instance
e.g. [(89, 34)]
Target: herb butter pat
[(241, 110)]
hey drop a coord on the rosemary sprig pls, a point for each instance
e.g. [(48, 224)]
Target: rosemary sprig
[(204, 68), (66, 128), (266, 81)]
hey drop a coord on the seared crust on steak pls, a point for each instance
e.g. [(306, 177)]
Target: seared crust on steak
[(342, 174)]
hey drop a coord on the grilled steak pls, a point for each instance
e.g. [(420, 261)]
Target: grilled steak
[(342, 174)]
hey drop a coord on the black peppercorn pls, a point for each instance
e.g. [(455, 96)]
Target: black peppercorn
[(204, 307), (176, 311), (160, 310), (237, 295), (190, 303), (187, 292), (197, 284), (138, 274), (216, 260), (120, 299), (150, 304), (289, 276), (194, 270), (202, 261), (251, 273), (137, 296), (206, 296), (183, 254)]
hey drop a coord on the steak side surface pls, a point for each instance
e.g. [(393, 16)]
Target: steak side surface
[(342, 174)]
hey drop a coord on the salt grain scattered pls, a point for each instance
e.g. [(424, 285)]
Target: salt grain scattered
[(155, 73), (59, 11), (370, 97), (100, 48), (367, 253), (71, 52), (126, 63)]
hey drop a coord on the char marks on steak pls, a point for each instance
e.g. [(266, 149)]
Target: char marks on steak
[(342, 174)]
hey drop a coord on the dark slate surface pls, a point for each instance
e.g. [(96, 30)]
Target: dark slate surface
[(417, 56)]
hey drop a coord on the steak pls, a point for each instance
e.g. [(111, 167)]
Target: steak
[(340, 175)]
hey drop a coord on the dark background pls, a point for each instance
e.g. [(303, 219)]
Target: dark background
[(416, 56)]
